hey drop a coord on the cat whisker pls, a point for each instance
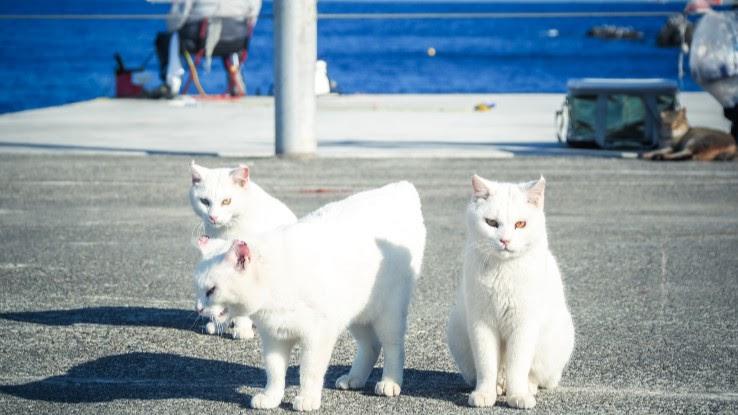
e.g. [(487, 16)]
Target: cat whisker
[(198, 230), (197, 318)]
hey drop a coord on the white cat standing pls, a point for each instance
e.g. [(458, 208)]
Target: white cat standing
[(232, 206), (510, 330), (351, 264)]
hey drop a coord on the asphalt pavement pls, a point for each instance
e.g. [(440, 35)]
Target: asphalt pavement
[(96, 298)]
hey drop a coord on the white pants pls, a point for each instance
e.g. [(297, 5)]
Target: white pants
[(174, 68)]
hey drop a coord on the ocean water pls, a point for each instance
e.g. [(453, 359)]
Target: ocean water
[(51, 62)]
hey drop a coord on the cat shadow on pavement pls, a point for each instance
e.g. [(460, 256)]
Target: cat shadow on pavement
[(156, 376), (420, 383), (111, 316), (144, 376)]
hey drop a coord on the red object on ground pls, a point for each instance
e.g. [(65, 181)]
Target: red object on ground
[(124, 86)]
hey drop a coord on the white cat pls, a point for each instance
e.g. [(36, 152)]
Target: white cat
[(232, 206), (351, 264), (510, 330)]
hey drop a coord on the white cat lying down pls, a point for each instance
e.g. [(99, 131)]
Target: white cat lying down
[(351, 264)]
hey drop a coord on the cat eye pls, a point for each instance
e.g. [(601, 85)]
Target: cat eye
[(520, 224), (226, 202), (491, 222), (210, 292), (205, 202)]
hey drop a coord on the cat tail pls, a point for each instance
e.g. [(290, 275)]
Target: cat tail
[(457, 336), (408, 211)]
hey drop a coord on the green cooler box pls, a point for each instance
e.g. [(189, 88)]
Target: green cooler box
[(615, 113)]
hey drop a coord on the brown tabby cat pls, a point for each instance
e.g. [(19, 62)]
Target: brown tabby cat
[(679, 141)]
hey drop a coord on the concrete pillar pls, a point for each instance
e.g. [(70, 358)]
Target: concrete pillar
[(295, 53)]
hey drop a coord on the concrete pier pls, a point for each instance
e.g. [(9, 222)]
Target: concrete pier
[(347, 126)]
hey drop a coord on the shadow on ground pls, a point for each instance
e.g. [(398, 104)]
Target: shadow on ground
[(531, 148), (112, 316), (147, 376)]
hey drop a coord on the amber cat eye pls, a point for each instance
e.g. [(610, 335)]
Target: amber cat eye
[(520, 224), (226, 202), (491, 222)]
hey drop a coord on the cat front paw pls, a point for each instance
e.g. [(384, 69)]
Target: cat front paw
[(264, 401), (210, 328), (387, 388), (306, 403), (500, 385), (522, 401), (346, 382), (482, 399), (242, 332)]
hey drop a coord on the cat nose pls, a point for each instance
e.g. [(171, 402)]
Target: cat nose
[(212, 218), (504, 242)]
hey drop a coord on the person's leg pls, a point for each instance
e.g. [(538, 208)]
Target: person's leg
[(231, 45), (732, 115), (162, 53), (174, 68), (236, 84)]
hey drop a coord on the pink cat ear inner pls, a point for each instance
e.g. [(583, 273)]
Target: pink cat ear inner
[(240, 175), (203, 244), (202, 241), (240, 255), (480, 188), (535, 192), (196, 172)]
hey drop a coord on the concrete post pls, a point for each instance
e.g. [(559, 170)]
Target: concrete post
[(295, 53)]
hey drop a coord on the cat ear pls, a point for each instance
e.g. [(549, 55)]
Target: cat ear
[(202, 241), (239, 255), (197, 172), (480, 188), (240, 175), (535, 191), (204, 245)]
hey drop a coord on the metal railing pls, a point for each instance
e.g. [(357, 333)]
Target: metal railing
[(364, 16)]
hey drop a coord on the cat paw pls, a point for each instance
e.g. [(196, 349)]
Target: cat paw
[(345, 382), (522, 401), (479, 399), (240, 332), (533, 388), (500, 386), (264, 401), (306, 403), (387, 388), (210, 328)]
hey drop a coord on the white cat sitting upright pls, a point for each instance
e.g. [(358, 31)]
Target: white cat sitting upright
[(510, 330), (351, 264), (232, 206)]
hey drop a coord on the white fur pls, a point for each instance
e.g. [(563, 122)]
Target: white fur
[(351, 264), (510, 330), (250, 212)]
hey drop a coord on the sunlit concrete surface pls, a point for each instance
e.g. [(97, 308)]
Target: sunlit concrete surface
[(97, 305)]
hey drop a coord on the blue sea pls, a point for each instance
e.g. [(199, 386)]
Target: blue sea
[(51, 62)]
